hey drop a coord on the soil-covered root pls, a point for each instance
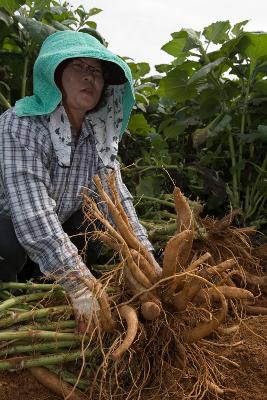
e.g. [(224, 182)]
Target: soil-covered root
[(211, 294), (150, 303), (150, 310), (256, 281), (52, 382), (182, 299), (204, 329), (184, 215), (176, 255), (97, 289), (128, 314), (144, 265), (192, 269)]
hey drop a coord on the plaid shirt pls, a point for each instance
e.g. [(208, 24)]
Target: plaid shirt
[(40, 196)]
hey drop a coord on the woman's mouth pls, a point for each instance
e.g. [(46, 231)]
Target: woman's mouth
[(87, 91)]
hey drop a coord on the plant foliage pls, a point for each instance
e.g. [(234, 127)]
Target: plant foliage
[(200, 123)]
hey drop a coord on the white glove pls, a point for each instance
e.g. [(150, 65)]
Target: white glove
[(85, 307)]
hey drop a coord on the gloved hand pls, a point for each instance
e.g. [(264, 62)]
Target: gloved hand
[(86, 308)]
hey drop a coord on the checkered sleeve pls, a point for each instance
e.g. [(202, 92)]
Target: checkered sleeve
[(26, 183), (127, 203)]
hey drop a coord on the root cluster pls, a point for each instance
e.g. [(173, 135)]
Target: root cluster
[(156, 325), (166, 316)]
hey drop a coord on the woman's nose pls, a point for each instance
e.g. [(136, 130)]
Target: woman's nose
[(89, 75)]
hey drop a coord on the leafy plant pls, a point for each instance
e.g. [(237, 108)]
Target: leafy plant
[(200, 123), (207, 118)]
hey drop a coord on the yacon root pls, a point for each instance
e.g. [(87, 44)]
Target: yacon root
[(184, 219), (151, 305), (127, 313), (56, 385), (203, 329), (106, 317), (150, 310), (176, 255)]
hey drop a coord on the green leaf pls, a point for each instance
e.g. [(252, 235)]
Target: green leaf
[(261, 67), (175, 86), (252, 137), (11, 5), (91, 24), (59, 26), (191, 36), (14, 63), (179, 60), (260, 87), (222, 124), (231, 47), (149, 186), (37, 30), (139, 125), (94, 11), (158, 143), (39, 4), (140, 106), (238, 28), (59, 13), (183, 41), (81, 12), (161, 68), (11, 45), (166, 122), (147, 88), (175, 47), (174, 130), (4, 32), (141, 98), (204, 71), (139, 69), (262, 131), (253, 46), (210, 104), (217, 32), (5, 18)]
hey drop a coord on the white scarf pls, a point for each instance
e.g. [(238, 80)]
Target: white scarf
[(106, 123)]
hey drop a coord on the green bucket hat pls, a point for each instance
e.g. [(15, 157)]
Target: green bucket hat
[(71, 44)]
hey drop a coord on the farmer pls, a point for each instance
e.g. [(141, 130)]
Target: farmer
[(51, 146)]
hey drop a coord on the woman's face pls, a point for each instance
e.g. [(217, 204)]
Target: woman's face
[(82, 83)]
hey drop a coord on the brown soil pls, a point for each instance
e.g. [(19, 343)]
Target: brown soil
[(250, 378), (245, 381), (22, 386)]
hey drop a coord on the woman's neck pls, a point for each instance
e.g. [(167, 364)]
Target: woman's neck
[(75, 118)]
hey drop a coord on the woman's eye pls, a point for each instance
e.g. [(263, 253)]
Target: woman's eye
[(79, 66), (97, 71), (84, 68)]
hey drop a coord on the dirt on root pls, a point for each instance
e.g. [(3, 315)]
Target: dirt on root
[(245, 374)]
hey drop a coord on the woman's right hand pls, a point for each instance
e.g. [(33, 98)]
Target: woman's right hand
[(86, 310)]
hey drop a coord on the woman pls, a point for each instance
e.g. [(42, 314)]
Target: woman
[(51, 145)]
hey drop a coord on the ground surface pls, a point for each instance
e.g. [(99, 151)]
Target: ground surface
[(247, 381)]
